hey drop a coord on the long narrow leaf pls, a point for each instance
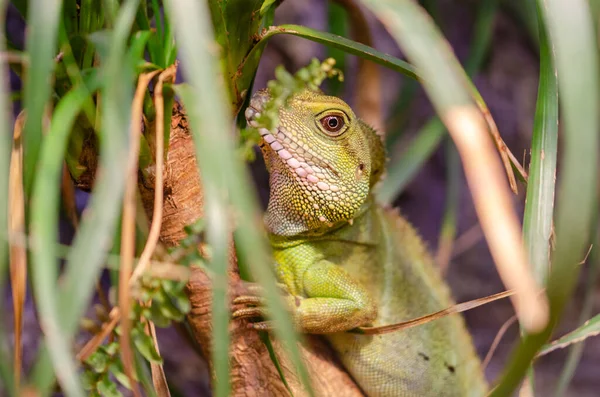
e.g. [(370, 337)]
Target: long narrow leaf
[(571, 33), (223, 173), (41, 48), (587, 330), (44, 232), (539, 205), (332, 40), (96, 230)]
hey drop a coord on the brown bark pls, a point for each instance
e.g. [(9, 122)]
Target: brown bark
[(252, 371)]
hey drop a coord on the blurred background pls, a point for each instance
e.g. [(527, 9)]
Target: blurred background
[(507, 79)]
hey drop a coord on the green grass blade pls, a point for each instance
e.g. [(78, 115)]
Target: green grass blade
[(571, 33), (337, 19), (539, 205), (40, 46), (87, 254), (451, 207), (587, 330), (223, 172), (332, 40), (45, 209)]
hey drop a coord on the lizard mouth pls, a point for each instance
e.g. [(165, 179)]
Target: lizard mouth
[(299, 157)]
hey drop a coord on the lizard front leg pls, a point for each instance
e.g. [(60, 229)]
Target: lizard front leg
[(323, 298)]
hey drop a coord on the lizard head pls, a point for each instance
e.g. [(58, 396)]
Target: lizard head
[(322, 162)]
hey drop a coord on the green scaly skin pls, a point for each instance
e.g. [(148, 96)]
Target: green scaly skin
[(346, 262)]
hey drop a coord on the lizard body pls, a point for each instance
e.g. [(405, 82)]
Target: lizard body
[(346, 262)]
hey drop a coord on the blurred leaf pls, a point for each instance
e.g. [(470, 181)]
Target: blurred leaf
[(349, 46), (21, 6), (138, 45), (144, 344), (98, 362), (168, 309), (116, 369), (587, 330), (539, 203), (451, 208), (91, 16), (6, 370), (97, 227), (108, 388), (157, 316), (235, 24), (111, 349), (266, 5), (338, 25), (41, 49), (225, 181), (44, 231), (88, 380), (571, 34)]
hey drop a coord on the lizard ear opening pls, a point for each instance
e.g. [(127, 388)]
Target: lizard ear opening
[(377, 152)]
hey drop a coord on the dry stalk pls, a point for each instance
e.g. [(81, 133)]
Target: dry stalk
[(128, 229), (18, 252), (496, 214), (154, 235), (458, 308), (92, 345), (488, 357)]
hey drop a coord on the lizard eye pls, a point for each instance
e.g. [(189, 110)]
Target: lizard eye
[(333, 124)]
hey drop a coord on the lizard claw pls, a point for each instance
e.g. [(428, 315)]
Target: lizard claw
[(249, 300), (252, 312), (251, 307), (251, 304), (262, 326), (248, 312)]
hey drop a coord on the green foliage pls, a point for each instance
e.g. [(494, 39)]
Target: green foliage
[(160, 301), (83, 58), (287, 85), (100, 368)]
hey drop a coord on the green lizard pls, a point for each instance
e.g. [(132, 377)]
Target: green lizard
[(346, 262)]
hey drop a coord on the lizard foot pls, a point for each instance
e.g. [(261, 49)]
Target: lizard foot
[(252, 312), (253, 305)]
